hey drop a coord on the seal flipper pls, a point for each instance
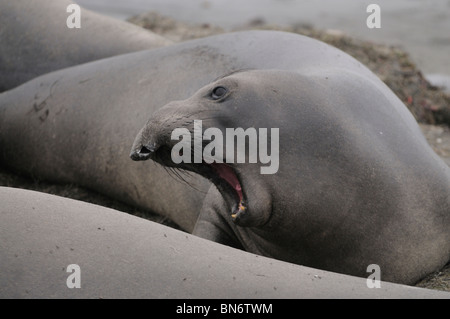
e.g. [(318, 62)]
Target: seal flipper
[(212, 225)]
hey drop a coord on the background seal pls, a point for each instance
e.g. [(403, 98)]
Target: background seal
[(36, 40)]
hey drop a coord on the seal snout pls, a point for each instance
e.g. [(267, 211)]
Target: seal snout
[(143, 152)]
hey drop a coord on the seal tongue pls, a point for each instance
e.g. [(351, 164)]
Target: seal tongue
[(227, 173)]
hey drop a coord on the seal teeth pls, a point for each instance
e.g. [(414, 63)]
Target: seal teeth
[(240, 210)]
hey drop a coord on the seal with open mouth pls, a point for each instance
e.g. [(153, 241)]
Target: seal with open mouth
[(154, 142), (357, 182), (76, 125)]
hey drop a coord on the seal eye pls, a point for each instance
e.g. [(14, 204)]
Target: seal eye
[(218, 92)]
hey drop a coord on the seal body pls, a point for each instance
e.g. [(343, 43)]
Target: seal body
[(122, 256), (36, 40), (357, 183), (76, 125)]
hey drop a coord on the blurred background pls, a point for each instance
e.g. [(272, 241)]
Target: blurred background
[(421, 27)]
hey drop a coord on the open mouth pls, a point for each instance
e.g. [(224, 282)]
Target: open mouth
[(227, 181), (228, 175), (222, 175)]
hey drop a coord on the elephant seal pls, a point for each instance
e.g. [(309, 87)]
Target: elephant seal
[(357, 182), (76, 125), (36, 40), (44, 237)]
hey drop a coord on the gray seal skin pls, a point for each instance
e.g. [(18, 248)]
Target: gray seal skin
[(357, 182), (76, 125), (122, 256), (36, 40)]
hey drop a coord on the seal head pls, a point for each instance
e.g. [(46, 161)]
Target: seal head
[(218, 106)]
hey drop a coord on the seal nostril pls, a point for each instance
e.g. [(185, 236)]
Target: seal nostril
[(144, 151), (148, 149)]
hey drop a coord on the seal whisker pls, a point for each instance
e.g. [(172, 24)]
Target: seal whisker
[(176, 174), (183, 171)]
